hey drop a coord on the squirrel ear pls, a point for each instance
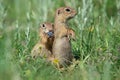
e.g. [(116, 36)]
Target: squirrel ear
[(52, 25), (58, 11)]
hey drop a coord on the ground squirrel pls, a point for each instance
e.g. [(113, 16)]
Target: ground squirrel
[(61, 45), (44, 47)]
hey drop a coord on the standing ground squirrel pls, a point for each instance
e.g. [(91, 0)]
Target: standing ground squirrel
[(61, 45), (44, 47)]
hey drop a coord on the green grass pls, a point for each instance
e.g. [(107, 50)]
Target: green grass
[(97, 28)]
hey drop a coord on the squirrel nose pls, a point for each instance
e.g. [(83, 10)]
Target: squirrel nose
[(74, 12)]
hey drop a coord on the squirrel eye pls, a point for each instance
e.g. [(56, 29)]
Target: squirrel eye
[(43, 25), (68, 10)]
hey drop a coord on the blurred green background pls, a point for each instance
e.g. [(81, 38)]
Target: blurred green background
[(97, 27)]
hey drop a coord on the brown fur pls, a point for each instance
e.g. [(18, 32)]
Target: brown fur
[(44, 47), (61, 45)]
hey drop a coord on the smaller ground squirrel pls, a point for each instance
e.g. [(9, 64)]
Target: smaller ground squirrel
[(61, 45), (44, 47)]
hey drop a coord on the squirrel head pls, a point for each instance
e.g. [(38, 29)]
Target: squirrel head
[(46, 29), (65, 13)]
